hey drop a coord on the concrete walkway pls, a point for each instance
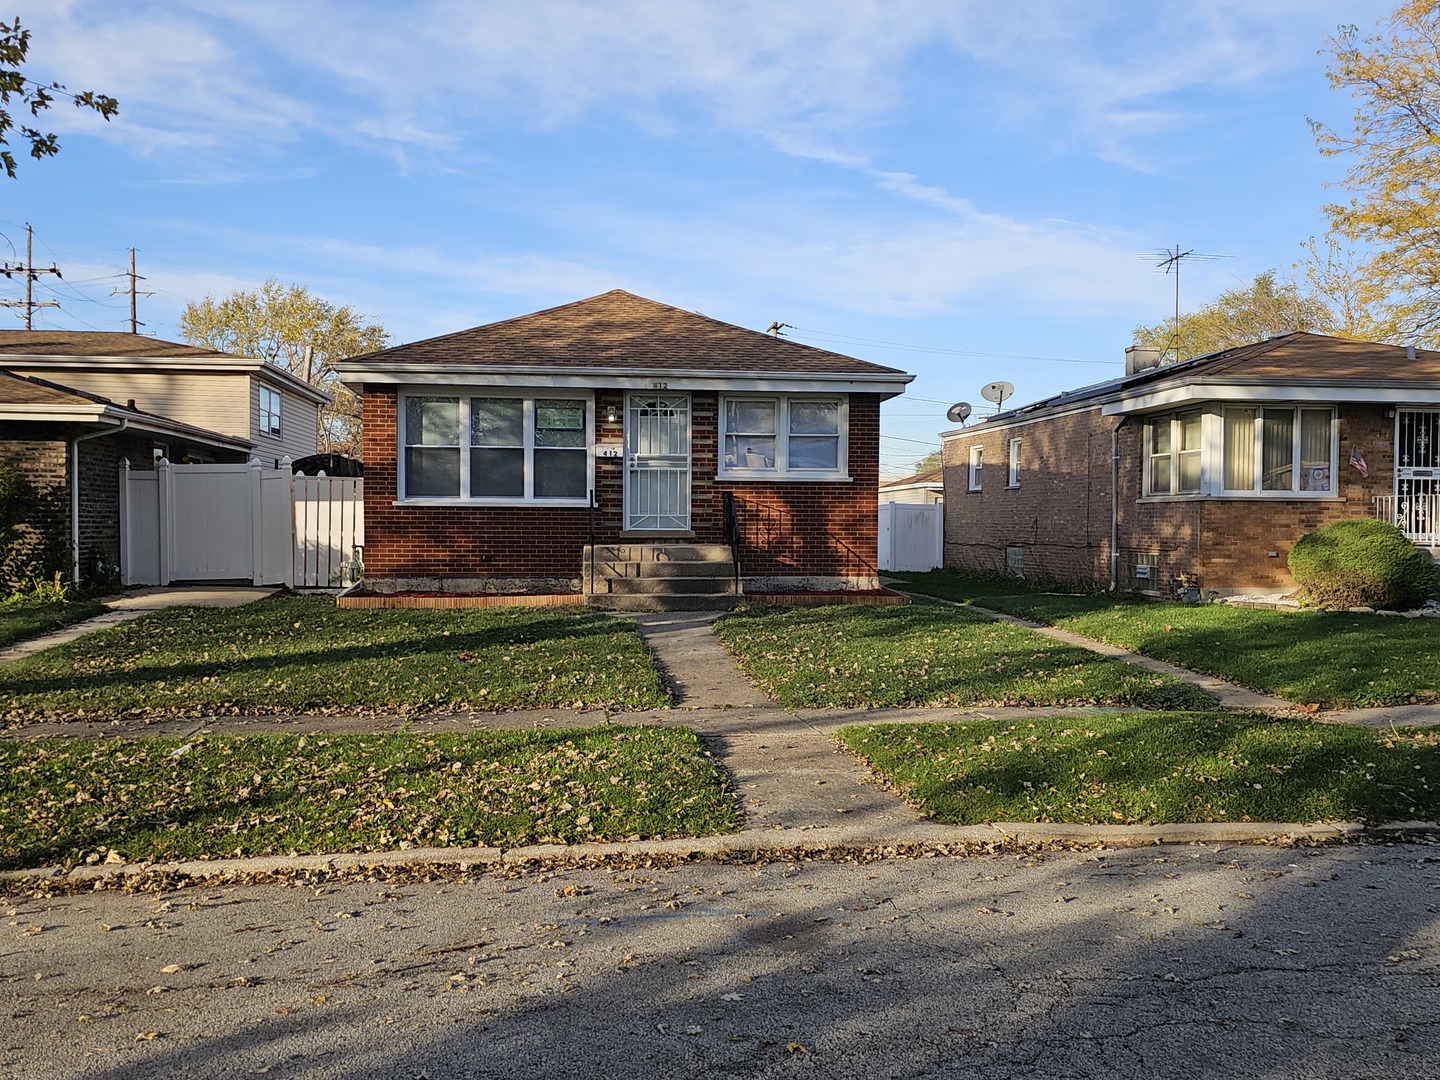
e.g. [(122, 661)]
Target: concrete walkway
[(787, 771), (132, 606)]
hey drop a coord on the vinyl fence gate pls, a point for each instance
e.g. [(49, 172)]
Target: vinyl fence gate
[(910, 536), (239, 522)]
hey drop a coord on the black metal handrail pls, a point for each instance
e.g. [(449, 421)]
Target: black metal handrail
[(592, 544), (776, 532), (732, 534)]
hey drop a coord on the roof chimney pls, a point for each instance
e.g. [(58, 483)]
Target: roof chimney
[(1141, 358), (1409, 352)]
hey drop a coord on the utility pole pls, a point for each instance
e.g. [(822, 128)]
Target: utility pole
[(135, 323), (31, 272)]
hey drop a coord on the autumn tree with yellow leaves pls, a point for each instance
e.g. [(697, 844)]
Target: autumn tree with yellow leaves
[(1393, 150)]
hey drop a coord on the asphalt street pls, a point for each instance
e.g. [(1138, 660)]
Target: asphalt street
[(1177, 961)]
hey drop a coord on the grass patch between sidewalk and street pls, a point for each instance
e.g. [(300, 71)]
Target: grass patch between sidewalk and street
[(22, 619), (300, 654), (928, 654), (1331, 659), (76, 800), (1154, 767)]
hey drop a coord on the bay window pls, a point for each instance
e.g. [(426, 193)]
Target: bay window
[(1254, 449), (515, 449), (1281, 450), (803, 437)]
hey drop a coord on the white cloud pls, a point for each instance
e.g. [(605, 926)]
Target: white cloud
[(234, 76)]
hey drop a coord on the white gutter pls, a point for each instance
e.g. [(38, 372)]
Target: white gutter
[(75, 493)]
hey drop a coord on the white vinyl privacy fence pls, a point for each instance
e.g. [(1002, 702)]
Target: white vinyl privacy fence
[(910, 536), (239, 522)]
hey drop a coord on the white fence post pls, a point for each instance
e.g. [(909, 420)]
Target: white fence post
[(165, 514), (257, 522)]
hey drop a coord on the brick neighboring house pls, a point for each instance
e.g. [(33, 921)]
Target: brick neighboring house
[(1200, 475), (491, 453), (69, 444)]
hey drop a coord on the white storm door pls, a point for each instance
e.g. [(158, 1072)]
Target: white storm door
[(657, 462)]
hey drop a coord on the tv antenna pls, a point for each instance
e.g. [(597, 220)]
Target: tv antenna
[(958, 413), (998, 392), (1171, 260)]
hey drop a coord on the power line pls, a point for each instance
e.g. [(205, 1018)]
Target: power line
[(937, 349)]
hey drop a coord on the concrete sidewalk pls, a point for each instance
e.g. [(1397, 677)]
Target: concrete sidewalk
[(140, 602)]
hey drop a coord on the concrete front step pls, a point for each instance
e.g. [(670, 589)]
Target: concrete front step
[(663, 586), (671, 602), (679, 569), (657, 553)]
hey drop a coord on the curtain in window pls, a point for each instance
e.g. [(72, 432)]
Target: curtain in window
[(1278, 450), (432, 446), (1240, 449), (1160, 446), (1315, 449), (1189, 453)]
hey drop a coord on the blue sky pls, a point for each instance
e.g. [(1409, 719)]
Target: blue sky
[(960, 189)]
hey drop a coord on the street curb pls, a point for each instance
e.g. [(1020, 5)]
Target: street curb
[(822, 842)]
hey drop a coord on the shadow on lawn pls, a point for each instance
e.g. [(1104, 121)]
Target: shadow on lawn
[(1165, 767), (434, 638)]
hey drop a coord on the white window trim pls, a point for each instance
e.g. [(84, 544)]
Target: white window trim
[(977, 464), (1148, 444), (1293, 492), (1212, 456), (1015, 448), (279, 411), (526, 395), (781, 469)]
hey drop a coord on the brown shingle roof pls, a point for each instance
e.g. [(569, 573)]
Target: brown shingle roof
[(1304, 357), (23, 390), (618, 330), (98, 343)]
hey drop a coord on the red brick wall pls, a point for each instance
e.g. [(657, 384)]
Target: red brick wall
[(1060, 514), (450, 541)]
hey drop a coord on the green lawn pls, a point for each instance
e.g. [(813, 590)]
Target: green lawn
[(21, 619), (1155, 767), (76, 800), (292, 654), (1335, 660), (929, 655)]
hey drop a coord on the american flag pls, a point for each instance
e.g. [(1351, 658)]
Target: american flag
[(1357, 462)]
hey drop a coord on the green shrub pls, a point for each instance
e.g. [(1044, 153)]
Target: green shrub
[(1362, 563)]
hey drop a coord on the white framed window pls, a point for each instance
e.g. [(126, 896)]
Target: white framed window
[(1173, 446), (977, 461), (1014, 480), (1284, 451), (784, 436), (497, 449), (269, 411)]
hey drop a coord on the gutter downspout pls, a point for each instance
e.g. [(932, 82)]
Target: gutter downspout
[(75, 494), (1115, 503)]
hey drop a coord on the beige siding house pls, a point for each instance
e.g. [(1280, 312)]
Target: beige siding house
[(238, 396)]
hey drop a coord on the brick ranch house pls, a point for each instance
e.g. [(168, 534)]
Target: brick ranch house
[(494, 455), (1199, 476)]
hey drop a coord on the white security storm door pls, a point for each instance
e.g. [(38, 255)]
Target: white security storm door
[(657, 462), (1417, 473)]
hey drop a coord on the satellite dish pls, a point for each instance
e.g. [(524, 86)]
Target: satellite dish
[(958, 413), (997, 391)]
